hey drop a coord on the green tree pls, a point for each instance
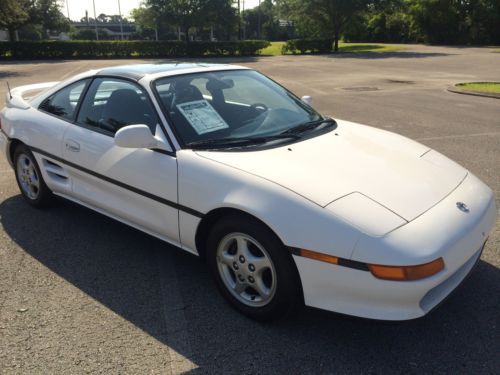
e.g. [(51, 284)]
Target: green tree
[(37, 14), (13, 15), (47, 13), (188, 14), (262, 22), (180, 13), (221, 17), (326, 17), (439, 21), (430, 21), (145, 20), (383, 21)]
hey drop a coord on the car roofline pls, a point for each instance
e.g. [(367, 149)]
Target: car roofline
[(121, 71), (200, 69)]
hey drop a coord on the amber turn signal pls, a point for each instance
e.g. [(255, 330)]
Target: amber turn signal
[(319, 256), (407, 273)]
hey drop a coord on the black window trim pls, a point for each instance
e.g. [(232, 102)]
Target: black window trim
[(80, 100), (180, 141), (83, 96)]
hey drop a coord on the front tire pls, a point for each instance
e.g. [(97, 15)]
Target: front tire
[(252, 268), (29, 178)]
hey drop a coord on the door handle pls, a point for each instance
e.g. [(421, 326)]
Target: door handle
[(72, 146)]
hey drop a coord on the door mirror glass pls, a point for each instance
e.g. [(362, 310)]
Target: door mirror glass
[(307, 99), (136, 136)]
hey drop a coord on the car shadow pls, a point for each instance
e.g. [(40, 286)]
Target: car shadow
[(119, 267)]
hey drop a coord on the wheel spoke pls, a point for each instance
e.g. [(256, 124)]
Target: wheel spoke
[(260, 288), (260, 263), (226, 259), (240, 287), (242, 246)]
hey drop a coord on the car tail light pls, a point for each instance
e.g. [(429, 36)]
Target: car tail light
[(407, 273)]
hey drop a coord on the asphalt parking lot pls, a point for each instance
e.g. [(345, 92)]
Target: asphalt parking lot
[(82, 293)]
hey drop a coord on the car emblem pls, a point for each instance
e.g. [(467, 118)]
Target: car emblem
[(462, 207)]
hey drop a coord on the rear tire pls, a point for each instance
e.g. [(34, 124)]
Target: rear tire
[(29, 178), (252, 269)]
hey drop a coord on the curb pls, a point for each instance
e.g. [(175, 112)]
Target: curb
[(473, 93)]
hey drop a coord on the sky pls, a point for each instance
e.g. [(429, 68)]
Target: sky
[(77, 7)]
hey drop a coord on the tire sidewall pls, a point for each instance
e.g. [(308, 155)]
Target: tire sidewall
[(44, 192), (288, 292)]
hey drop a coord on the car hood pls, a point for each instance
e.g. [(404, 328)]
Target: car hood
[(402, 175)]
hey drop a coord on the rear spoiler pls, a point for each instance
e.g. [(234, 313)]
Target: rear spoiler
[(17, 98)]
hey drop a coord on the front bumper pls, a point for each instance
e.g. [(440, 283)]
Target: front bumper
[(443, 231)]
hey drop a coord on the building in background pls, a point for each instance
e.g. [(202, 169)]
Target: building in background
[(111, 30)]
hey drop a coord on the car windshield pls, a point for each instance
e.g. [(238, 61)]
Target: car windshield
[(232, 108)]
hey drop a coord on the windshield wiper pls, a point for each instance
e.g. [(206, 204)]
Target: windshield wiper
[(236, 142), (310, 126)]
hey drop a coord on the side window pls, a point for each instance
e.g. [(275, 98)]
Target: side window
[(64, 102), (111, 104)]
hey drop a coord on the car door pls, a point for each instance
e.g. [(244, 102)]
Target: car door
[(137, 186), (55, 114)]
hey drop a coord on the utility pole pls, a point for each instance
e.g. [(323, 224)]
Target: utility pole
[(259, 23), (244, 23), (67, 9), (95, 22), (121, 23), (239, 19)]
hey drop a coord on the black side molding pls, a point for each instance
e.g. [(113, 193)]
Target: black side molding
[(121, 184)]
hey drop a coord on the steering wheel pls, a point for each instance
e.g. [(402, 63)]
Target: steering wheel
[(259, 107)]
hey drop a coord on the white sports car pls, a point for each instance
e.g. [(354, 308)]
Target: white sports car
[(287, 206)]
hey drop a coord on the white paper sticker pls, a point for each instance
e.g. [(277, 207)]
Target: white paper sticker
[(202, 116)]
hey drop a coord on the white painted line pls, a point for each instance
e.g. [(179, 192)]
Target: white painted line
[(179, 347), (459, 136)]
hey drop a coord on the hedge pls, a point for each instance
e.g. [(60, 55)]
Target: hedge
[(122, 49), (303, 46)]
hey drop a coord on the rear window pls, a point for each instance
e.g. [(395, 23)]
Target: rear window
[(64, 102)]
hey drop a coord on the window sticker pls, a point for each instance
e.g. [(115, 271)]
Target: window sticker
[(202, 116)]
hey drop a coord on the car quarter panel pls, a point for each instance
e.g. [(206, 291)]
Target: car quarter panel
[(39, 131), (205, 185), (34, 128)]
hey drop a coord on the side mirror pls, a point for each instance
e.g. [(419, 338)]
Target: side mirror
[(136, 136), (307, 99)]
